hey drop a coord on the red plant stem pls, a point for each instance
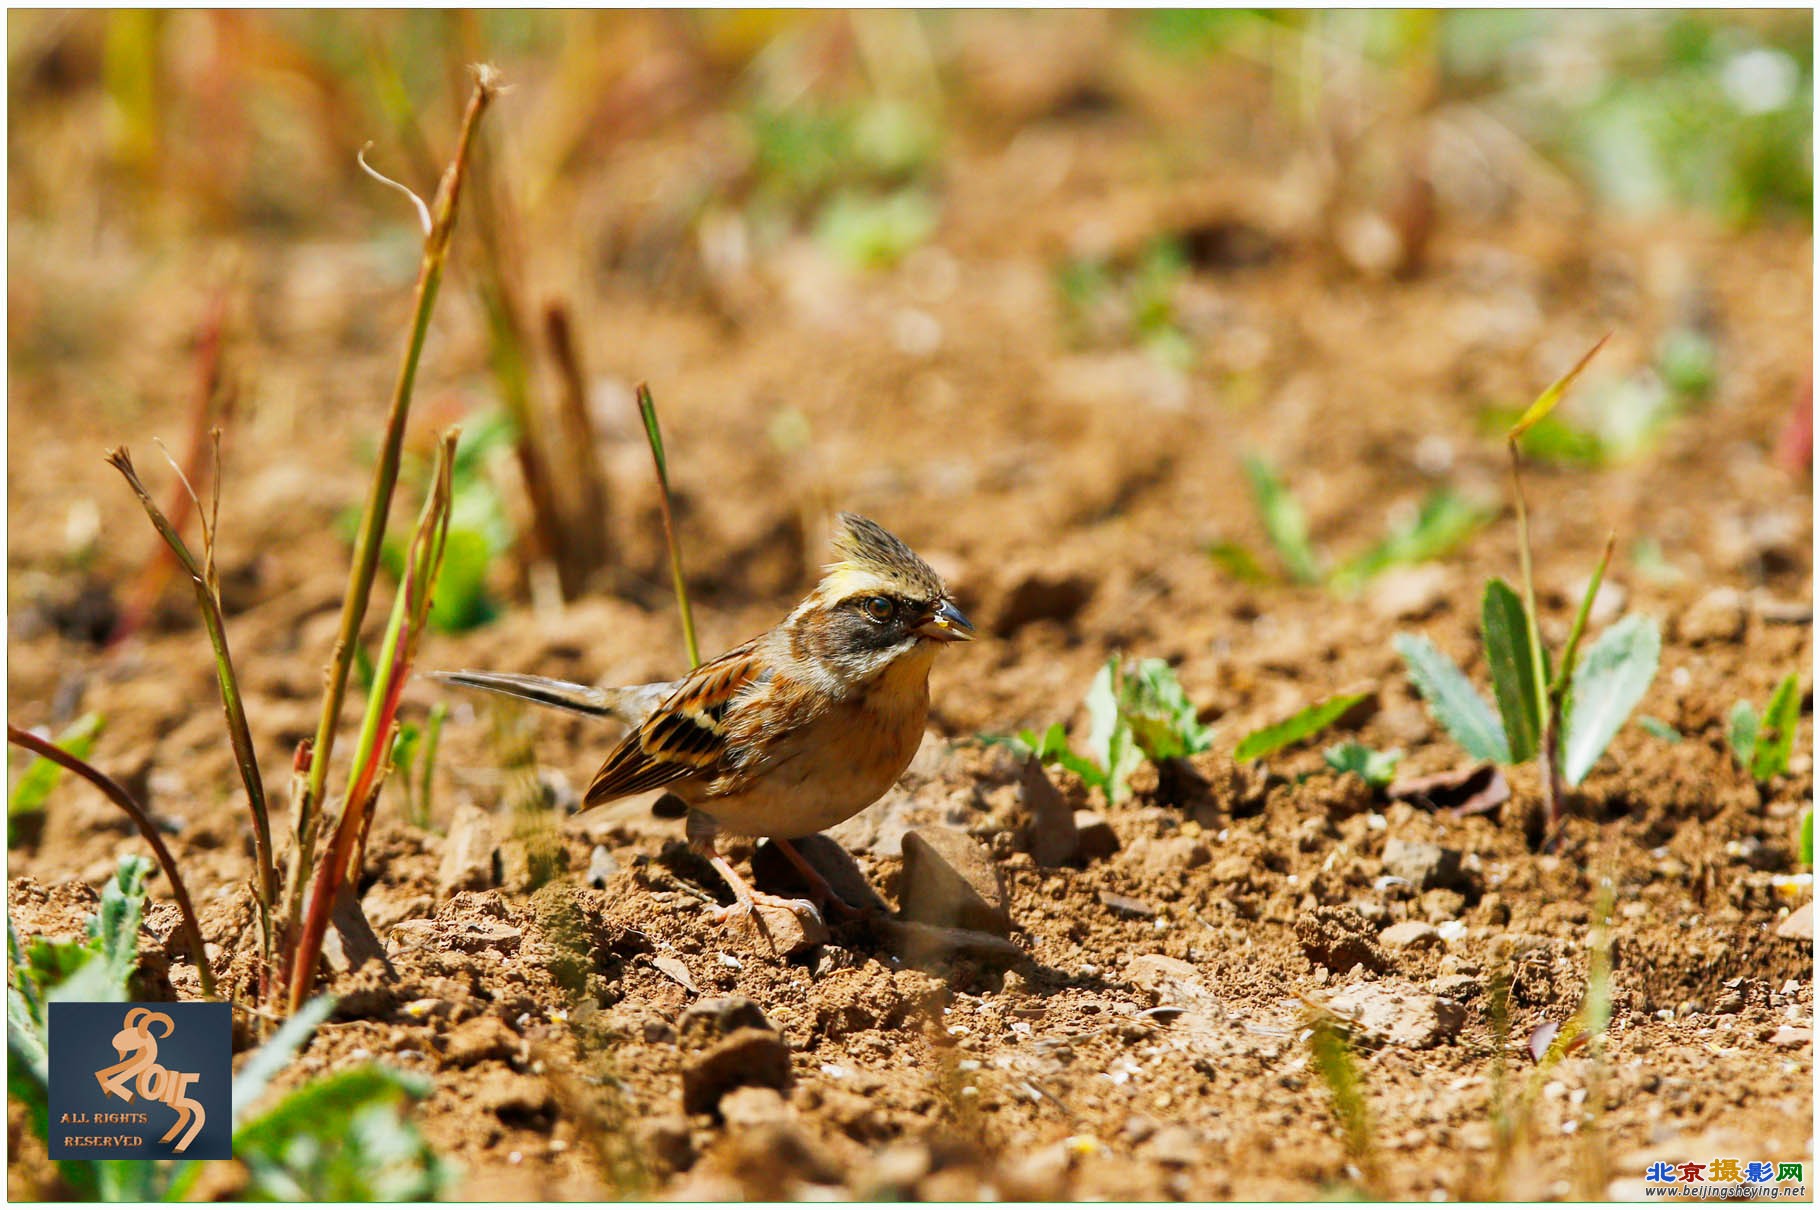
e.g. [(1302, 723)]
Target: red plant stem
[(121, 798)]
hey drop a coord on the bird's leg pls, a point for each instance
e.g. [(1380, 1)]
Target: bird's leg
[(823, 892), (701, 831)]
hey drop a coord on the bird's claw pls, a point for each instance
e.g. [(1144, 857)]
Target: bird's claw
[(747, 907)]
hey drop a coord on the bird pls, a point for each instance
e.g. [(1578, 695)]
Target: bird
[(791, 732)]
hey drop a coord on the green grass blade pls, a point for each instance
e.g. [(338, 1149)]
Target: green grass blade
[(1776, 737), (1303, 724), (1616, 673), (1283, 521), (1513, 669), (1565, 674), (1452, 700)]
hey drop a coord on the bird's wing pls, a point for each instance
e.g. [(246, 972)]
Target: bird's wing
[(684, 737)]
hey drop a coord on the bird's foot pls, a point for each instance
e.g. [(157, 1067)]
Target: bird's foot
[(821, 891), (753, 904), (749, 904)]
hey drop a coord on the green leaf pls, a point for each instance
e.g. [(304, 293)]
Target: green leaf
[(461, 601), (1742, 734), (1301, 725), (257, 1072), (114, 928), (1109, 740), (43, 774), (1283, 521), (343, 1137), (1776, 738), (1513, 669), (1162, 719), (1452, 700), (1239, 563), (1607, 686), (1378, 769), (1052, 748), (1659, 729), (1807, 838)]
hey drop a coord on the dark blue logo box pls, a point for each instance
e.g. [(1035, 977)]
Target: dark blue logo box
[(141, 1081)]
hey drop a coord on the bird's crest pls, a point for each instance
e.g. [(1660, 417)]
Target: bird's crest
[(866, 551)]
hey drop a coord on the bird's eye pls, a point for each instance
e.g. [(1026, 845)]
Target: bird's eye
[(879, 609)]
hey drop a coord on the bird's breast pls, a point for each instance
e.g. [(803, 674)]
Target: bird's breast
[(838, 764)]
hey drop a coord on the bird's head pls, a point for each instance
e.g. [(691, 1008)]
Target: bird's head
[(877, 602)]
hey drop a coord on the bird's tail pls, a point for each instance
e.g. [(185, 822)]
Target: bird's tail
[(629, 705)]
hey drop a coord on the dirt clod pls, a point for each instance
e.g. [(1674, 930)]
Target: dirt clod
[(467, 853), (1339, 938), (480, 1039), (745, 1056), (1095, 838), (1717, 617), (1410, 934), (950, 881), (1052, 838), (1400, 1016), (512, 1097), (1422, 864)]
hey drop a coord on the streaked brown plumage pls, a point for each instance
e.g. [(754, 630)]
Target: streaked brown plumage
[(795, 730)]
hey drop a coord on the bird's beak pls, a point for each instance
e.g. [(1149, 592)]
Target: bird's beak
[(947, 625)]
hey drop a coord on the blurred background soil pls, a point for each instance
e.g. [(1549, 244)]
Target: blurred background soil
[(1028, 289)]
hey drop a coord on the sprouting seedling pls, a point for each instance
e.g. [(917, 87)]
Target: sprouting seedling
[(1304, 724), (1444, 520), (1764, 743), (1565, 718), (1377, 769), (1132, 714)]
